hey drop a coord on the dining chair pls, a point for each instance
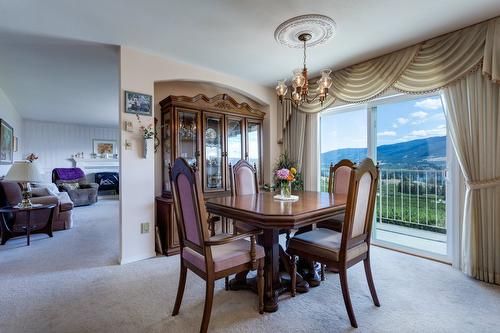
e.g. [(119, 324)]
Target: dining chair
[(352, 245), (211, 258), (338, 184)]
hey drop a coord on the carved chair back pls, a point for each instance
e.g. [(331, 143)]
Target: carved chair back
[(340, 173), (243, 178), (189, 205), (360, 205)]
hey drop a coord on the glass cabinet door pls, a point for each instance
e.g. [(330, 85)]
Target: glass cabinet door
[(214, 163), (234, 140), (188, 136), (253, 152), (167, 148)]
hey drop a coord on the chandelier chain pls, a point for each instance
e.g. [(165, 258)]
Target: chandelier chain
[(305, 55)]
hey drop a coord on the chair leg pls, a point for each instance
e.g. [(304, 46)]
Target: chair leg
[(226, 283), (347, 297), (180, 290), (207, 311), (260, 285), (369, 278), (322, 272), (293, 275)]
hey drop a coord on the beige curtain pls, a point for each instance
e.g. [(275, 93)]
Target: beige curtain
[(311, 158), (473, 107), (424, 67), (293, 136)]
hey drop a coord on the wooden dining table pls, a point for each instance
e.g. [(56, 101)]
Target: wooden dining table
[(263, 211)]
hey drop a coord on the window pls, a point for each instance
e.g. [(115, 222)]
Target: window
[(340, 141), (407, 137)]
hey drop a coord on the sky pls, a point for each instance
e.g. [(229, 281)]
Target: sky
[(396, 122)]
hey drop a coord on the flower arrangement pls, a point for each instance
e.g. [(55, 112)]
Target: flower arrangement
[(286, 177), (284, 162), (148, 132)]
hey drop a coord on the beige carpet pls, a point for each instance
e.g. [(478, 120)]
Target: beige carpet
[(70, 283)]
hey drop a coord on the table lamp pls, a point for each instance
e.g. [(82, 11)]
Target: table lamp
[(24, 172)]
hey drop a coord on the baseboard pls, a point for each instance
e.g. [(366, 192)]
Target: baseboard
[(124, 261)]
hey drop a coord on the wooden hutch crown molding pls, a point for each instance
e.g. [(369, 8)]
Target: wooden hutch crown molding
[(219, 103)]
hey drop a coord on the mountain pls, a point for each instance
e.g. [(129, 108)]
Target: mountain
[(421, 153)]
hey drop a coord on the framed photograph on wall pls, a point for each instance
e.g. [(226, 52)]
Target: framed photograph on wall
[(6, 143), (104, 148), (137, 103)]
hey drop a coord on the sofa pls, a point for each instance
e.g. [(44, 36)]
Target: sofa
[(11, 194), (74, 182)]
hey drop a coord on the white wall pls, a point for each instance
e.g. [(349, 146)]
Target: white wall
[(13, 118), (54, 143), (139, 71)]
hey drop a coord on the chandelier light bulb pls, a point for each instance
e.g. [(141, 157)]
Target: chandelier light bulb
[(295, 96), (281, 88), (298, 78), (326, 81)]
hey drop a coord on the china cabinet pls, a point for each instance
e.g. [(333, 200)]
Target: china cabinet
[(209, 133)]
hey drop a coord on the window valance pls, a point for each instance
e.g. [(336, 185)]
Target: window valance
[(421, 68)]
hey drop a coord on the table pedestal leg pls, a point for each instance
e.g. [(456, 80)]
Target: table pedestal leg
[(272, 285)]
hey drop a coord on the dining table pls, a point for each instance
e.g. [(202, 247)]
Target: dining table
[(264, 211)]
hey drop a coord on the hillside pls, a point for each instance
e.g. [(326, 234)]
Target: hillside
[(426, 153)]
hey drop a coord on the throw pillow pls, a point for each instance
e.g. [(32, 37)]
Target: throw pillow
[(70, 186), (39, 192)]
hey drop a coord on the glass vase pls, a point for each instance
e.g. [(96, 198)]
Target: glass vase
[(286, 189)]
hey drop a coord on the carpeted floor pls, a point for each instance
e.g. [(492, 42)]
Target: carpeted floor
[(71, 283)]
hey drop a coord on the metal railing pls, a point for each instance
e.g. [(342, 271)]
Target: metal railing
[(412, 198)]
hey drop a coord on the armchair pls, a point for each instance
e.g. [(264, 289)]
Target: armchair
[(209, 258), (73, 181)]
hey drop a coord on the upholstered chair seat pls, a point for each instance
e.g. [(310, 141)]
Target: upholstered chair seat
[(324, 243), (224, 256)]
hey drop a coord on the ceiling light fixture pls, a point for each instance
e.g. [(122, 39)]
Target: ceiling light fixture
[(300, 32)]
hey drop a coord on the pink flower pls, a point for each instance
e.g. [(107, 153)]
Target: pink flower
[(282, 174)]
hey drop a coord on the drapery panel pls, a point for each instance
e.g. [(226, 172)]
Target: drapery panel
[(293, 137), (473, 113), (424, 67)]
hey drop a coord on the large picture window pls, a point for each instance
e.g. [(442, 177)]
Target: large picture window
[(406, 135)]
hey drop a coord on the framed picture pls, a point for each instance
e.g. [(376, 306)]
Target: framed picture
[(6, 143), (104, 148), (137, 103)]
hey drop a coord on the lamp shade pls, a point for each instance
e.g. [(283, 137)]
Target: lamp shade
[(23, 171)]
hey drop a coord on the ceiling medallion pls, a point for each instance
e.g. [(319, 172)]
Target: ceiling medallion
[(301, 32), (320, 27)]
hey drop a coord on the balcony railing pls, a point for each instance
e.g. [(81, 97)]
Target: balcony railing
[(411, 198)]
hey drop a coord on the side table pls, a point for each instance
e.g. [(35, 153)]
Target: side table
[(9, 232)]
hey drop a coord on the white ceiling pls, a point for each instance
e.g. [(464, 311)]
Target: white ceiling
[(235, 37), (67, 81)]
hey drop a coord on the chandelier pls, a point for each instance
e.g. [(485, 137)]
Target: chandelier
[(299, 32)]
